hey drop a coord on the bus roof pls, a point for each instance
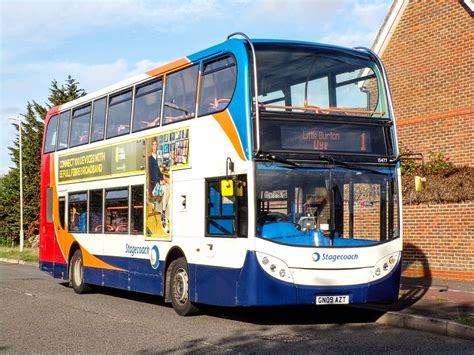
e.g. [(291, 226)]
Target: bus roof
[(183, 62)]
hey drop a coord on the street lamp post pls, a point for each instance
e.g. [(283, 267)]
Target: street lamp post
[(18, 120)]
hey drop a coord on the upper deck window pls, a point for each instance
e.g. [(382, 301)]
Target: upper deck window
[(51, 133), (98, 120), (120, 109), (80, 126), (180, 95), (217, 85), (63, 135), (319, 80), (147, 109)]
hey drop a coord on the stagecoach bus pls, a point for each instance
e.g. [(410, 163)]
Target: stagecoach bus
[(254, 172)]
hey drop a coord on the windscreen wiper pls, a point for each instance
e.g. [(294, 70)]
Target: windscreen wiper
[(330, 159), (272, 157)]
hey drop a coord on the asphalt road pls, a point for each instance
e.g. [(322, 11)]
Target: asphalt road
[(38, 314)]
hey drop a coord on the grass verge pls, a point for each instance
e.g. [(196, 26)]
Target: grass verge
[(468, 320), (28, 254)]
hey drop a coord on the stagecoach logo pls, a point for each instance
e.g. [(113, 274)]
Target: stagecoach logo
[(155, 257), (333, 258)]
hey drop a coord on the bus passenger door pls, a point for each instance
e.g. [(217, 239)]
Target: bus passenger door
[(225, 242)]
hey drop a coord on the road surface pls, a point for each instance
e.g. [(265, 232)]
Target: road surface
[(40, 314)]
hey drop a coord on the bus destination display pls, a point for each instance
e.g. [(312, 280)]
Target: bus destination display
[(352, 139)]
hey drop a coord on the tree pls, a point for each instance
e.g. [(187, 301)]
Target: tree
[(32, 137)]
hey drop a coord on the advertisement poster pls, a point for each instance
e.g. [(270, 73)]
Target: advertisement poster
[(164, 152), (119, 159)]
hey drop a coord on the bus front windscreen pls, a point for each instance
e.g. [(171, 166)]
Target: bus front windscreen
[(326, 207), (319, 80)]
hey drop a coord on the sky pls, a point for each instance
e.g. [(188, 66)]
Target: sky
[(103, 42)]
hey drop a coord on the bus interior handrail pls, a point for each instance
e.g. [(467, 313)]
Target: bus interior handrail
[(322, 109)]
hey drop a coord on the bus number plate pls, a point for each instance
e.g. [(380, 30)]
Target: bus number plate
[(321, 300)]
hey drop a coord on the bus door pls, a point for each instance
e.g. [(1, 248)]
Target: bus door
[(225, 243)]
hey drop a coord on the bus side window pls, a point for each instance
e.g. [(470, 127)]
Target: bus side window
[(98, 120), (217, 85), (226, 216), (63, 131), (116, 210), (49, 205), (180, 95), (147, 108), (77, 212), (51, 133), (120, 112), (62, 210), (95, 211), (136, 213), (80, 124)]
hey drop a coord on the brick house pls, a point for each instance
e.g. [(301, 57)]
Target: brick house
[(427, 48)]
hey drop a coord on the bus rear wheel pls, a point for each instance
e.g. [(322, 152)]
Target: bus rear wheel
[(180, 288), (76, 268)]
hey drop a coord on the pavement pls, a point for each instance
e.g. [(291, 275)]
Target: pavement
[(432, 305), (436, 306)]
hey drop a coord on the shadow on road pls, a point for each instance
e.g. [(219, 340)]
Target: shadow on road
[(292, 315), (413, 289), (275, 315)]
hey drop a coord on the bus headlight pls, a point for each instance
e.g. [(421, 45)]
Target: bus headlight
[(275, 267), (384, 266)]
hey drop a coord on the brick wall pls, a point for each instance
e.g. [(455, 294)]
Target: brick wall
[(430, 61), (439, 241)]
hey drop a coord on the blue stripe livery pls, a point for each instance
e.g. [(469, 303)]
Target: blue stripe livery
[(230, 287)]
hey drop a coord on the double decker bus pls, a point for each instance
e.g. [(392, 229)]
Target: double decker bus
[(255, 172)]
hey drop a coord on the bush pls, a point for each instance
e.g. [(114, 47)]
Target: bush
[(439, 164)]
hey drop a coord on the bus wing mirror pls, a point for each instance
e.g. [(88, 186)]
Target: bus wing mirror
[(239, 188)]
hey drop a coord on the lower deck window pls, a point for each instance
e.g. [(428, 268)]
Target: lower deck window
[(136, 213), (95, 211), (116, 211), (78, 212)]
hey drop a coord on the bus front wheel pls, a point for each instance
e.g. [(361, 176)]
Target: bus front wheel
[(180, 288), (76, 268)]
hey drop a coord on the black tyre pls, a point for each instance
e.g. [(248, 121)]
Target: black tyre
[(180, 288), (76, 270)]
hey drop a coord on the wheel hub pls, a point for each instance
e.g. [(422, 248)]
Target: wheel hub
[(180, 286)]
